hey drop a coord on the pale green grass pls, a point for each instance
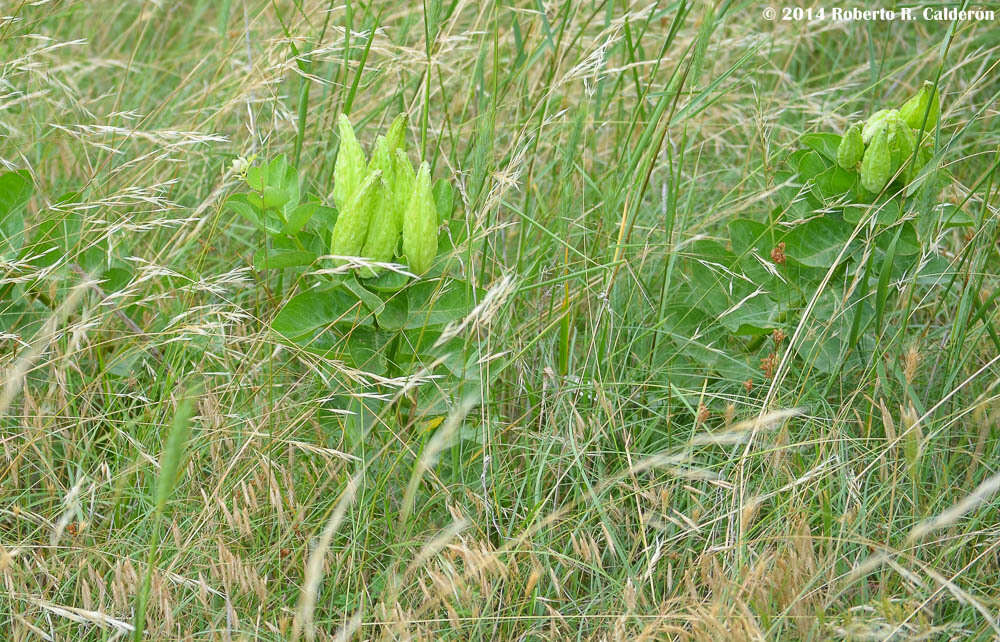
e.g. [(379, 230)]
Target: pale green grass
[(569, 491)]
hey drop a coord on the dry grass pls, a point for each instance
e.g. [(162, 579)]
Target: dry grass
[(547, 505)]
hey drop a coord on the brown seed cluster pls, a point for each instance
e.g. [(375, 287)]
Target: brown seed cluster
[(769, 364), (778, 253)]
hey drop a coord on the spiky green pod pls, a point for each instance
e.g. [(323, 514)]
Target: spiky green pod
[(926, 100), (394, 137), (351, 228), (349, 169), (901, 143), (875, 122), (876, 166), (420, 224), (851, 148), (402, 190), (383, 231)]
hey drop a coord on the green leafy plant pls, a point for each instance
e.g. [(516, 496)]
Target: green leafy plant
[(855, 214), (383, 295)]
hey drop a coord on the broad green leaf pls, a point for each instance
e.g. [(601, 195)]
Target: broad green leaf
[(935, 270), (15, 190), (818, 241), (22, 316), (394, 313), (825, 144), (288, 180), (688, 335), (882, 289), (95, 256), (278, 259), (371, 300), (953, 216), (116, 278), (257, 177), (297, 217), (366, 349), (810, 165), (313, 241), (746, 234), (826, 340), (835, 182), (387, 282), (721, 289), (417, 348), (437, 302), (53, 238), (885, 210), (323, 219), (318, 308), (444, 199), (275, 197), (752, 243), (360, 346), (240, 204), (907, 245)]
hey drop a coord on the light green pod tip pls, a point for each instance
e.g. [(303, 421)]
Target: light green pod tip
[(876, 166), (851, 148), (381, 160), (384, 228), (420, 224), (397, 132), (901, 143), (877, 121), (353, 220), (928, 101), (402, 189), (349, 168)]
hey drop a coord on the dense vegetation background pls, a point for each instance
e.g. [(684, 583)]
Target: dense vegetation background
[(605, 466)]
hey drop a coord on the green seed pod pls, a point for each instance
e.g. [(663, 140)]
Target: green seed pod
[(351, 228), (927, 101), (349, 169), (420, 224), (402, 189), (876, 122), (383, 231), (394, 137), (876, 166), (901, 143), (851, 148)]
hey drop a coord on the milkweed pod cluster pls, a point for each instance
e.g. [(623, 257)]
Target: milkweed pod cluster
[(887, 141), (381, 202)]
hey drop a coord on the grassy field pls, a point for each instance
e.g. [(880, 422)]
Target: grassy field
[(626, 438)]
